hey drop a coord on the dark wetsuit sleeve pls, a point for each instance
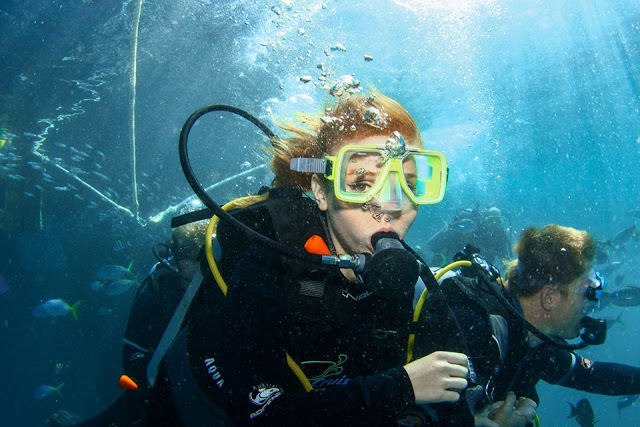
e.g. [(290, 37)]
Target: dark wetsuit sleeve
[(260, 388), (574, 371)]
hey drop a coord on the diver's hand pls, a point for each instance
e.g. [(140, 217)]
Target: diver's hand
[(438, 377), (508, 413)]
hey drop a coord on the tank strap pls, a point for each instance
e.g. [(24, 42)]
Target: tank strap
[(174, 327)]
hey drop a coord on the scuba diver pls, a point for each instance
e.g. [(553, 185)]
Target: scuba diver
[(482, 228), (155, 303), (517, 333), (159, 295)]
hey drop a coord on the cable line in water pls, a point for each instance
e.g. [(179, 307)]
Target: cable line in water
[(173, 209), (134, 72)]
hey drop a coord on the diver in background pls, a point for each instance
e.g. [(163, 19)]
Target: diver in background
[(553, 285), (484, 229), (159, 295), (152, 309)]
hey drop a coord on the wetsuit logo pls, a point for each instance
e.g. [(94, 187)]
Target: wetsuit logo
[(330, 375), (262, 396), (213, 371)]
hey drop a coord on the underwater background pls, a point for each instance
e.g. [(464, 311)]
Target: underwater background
[(535, 104)]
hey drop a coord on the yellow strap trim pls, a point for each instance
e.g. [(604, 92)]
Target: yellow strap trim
[(423, 298), (299, 374)]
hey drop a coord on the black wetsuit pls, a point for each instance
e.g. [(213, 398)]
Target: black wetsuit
[(350, 344), (503, 360), (351, 351)]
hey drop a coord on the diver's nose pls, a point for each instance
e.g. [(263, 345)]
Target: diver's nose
[(390, 196)]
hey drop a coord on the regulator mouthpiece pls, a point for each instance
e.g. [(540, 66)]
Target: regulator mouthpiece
[(392, 270)]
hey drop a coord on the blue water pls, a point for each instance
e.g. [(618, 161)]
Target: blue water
[(534, 103)]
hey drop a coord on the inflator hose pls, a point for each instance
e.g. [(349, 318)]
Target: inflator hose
[(210, 203)]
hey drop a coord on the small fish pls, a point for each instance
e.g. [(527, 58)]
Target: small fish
[(623, 236), (55, 308), (118, 287), (60, 367), (583, 413), (101, 175), (626, 401), (96, 285), (27, 194), (112, 272), (35, 165), (626, 297), (120, 245), (464, 226), (45, 390)]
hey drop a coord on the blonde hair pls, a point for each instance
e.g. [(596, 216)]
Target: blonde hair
[(552, 255), (351, 118)]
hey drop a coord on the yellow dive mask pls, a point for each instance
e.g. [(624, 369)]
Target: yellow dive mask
[(361, 173)]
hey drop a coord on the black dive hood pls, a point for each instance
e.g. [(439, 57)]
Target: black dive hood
[(392, 270), (355, 262)]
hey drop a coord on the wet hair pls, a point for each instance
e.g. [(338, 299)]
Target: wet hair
[(353, 117), (552, 255)]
